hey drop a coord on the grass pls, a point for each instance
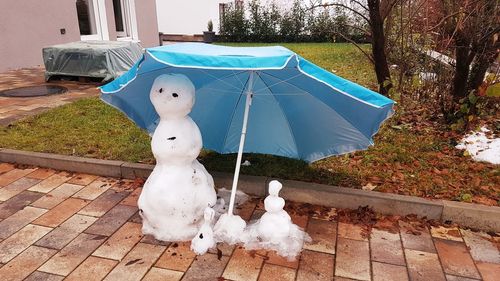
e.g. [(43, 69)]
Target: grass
[(412, 155)]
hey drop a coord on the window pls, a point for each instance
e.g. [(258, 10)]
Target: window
[(86, 17), (92, 19)]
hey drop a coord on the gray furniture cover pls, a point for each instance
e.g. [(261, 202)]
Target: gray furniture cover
[(100, 59)]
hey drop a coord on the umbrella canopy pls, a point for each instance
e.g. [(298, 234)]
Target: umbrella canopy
[(298, 109)]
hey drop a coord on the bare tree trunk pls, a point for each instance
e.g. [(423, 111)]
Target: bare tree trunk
[(482, 62), (378, 47), (462, 66)]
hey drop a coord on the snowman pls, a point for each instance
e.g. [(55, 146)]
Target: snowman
[(179, 188), (275, 229), (275, 224), (204, 239)]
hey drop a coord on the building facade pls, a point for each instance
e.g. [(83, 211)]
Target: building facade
[(27, 26)]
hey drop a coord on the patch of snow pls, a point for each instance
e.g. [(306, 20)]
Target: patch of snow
[(480, 147), (275, 229), (230, 229)]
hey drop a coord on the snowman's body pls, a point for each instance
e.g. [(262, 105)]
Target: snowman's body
[(179, 189)]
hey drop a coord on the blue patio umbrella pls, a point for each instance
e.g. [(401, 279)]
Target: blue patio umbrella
[(257, 99)]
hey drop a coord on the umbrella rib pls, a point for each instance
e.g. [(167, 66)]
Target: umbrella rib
[(283, 113), (367, 138), (234, 112), (220, 79)]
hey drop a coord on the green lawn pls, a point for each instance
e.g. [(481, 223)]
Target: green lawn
[(411, 155)]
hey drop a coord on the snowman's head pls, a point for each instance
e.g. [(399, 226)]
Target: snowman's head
[(172, 95)]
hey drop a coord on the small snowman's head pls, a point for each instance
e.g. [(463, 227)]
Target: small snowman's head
[(172, 95), (274, 187)]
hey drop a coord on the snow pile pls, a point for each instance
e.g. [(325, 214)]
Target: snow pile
[(275, 229), (480, 147)]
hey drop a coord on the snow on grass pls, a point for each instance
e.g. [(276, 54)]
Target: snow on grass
[(480, 147)]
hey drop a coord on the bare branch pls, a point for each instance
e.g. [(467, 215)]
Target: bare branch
[(357, 46), (342, 6), (361, 5)]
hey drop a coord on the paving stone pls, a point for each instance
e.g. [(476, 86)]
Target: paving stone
[(274, 258), (489, 271), (389, 272), (92, 269), (458, 278), (447, 233), (178, 256), (161, 274), (423, 266), (24, 264), (136, 218), (16, 187), (315, 266), (73, 254), (82, 179), (43, 276), (421, 242), (18, 203), (135, 265), (61, 212), (243, 266), (56, 196), (120, 243), (336, 278), (330, 214), (131, 200), (353, 259), (103, 203), (226, 249), (5, 167), (48, 184), (323, 234), (19, 241), (94, 189), (455, 258), (149, 239), (41, 173), (19, 220), (67, 231), (206, 267), (13, 175), (271, 272), (245, 210), (351, 231), (300, 220), (480, 248), (386, 247), (112, 220)]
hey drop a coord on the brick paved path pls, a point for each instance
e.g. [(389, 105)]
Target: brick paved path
[(56, 225), (12, 109)]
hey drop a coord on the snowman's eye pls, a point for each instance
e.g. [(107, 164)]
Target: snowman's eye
[(160, 90), (175, 95)]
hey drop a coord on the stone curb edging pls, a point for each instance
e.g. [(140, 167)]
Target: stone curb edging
[(466, 214)]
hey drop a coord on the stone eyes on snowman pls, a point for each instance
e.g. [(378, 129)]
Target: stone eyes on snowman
[(175, 95)]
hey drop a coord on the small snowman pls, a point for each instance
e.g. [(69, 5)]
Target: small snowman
[(204, 239), (179, 188), (274, 225), (275, 230)]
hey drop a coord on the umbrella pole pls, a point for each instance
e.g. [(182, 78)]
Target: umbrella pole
[(248, 102)]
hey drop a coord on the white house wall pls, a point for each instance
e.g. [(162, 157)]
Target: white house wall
[(187, 17)]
